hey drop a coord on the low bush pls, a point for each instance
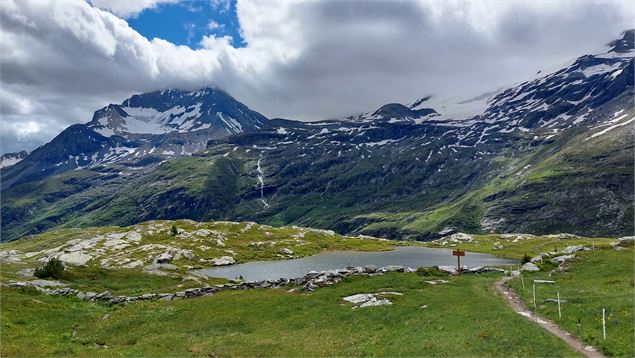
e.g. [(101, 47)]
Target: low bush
[(525, 259), (53, 269)]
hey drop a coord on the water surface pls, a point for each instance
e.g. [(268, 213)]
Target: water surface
[(407, 256)]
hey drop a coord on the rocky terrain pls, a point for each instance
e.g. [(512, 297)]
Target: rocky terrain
[(154, 247), (9, 159)]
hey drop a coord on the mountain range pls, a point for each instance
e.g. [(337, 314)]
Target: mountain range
[(551, 154)]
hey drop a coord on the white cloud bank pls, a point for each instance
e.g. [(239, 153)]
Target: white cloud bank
[(129, 8), (61, 60)]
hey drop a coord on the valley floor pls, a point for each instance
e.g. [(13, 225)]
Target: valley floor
[(465, 316)]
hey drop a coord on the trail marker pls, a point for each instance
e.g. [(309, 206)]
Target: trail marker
[(522, 280), (458, 254), (604, 323), (534, 290), (559, 312)]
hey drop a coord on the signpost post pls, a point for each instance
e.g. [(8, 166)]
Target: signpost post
[(604, 323), (458, 253)]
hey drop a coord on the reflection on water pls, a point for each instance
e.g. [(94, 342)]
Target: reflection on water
[(404, 256)]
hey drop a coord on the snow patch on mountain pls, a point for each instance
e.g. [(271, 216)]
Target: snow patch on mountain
[(9, 159)]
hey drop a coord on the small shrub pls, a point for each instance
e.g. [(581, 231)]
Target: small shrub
[(525, 259), (430, 272), (174, 230), (53, 269)]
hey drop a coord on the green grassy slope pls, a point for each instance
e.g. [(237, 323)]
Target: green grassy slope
[(195, 246), (595, 280), (603, 278), (278, 323), (465, 317)]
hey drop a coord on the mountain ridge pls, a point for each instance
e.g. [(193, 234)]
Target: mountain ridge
[(551, 154), (152, 126)]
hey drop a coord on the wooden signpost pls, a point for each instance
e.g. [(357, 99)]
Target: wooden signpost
[(458, 254)]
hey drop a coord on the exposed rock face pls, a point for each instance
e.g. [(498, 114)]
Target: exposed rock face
[(571, 249), (370, 299), (10, 256), (456, 238), (622, 242), (77, 258), (223, 261), (562, 259)]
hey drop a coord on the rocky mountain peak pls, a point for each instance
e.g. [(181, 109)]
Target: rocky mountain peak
[(9, 159), (175, 110), (625, 44)]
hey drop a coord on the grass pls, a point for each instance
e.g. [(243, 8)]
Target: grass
[(515, 250), (128, 282), (595, 280), (279, 323), (465, 317), (117, 281)]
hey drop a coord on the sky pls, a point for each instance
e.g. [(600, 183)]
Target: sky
[(306, 60)]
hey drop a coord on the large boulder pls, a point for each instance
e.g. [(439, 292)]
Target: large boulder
[(625, 241), (370, 268), (561, 259), (393, 268), (539, 258), (449, 269), (222, 261), (529, 267), (133, 236), (164, 258)]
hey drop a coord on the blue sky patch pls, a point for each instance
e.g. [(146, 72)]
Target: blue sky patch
[(186, 23)]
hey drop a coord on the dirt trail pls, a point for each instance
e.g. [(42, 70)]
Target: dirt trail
[(514, 301)]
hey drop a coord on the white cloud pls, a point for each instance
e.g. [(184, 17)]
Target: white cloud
[(213, 25), (220, 5), (129, 8), (303, 60)]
